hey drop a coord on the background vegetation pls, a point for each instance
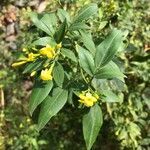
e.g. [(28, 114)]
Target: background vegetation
[(126, 125)]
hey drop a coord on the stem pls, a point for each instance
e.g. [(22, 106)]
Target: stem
[(83, 76)]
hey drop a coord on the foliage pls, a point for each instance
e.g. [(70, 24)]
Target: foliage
[(125, 124), (26, 135), (98, 64), (135, 107)]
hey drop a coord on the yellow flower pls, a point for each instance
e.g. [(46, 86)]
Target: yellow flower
[(86, 102), (18, 63), (31, 57), (46, 74), (48, 51), (88, 99), (82, 96), (58, 45)]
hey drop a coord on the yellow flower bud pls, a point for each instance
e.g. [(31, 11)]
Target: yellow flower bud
[(48, 51), (46, 74), (81, 96), (88, 99), (18, 63), (31, 56)]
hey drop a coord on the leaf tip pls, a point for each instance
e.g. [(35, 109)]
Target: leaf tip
[(31, 110), (37, 128)]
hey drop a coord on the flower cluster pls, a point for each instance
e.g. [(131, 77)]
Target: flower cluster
[(48, 52), (88, 99)]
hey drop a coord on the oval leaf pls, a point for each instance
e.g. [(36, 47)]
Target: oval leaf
[(62, 14), (33, 66), (68, 53), (111, 70), (60, 33), (43, 22), (88, 42), (109, 96), (44, 41), (58, 73), (86, 60), (39, 93), (78, 26), (92, 123), (51, 106), (107, 49), (86, 12)]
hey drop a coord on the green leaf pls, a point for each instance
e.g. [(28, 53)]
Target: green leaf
[(109, 96), (86, 12), (107, 49), (62, 14), (86, 60), (78, 26), (58, 74), (111, 70), (54, 19), (43, 22), (33, 66), (68, 53), (39, 93), (60, 33), (51, 106), (92, 123), (44, 41), (88, 42)]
